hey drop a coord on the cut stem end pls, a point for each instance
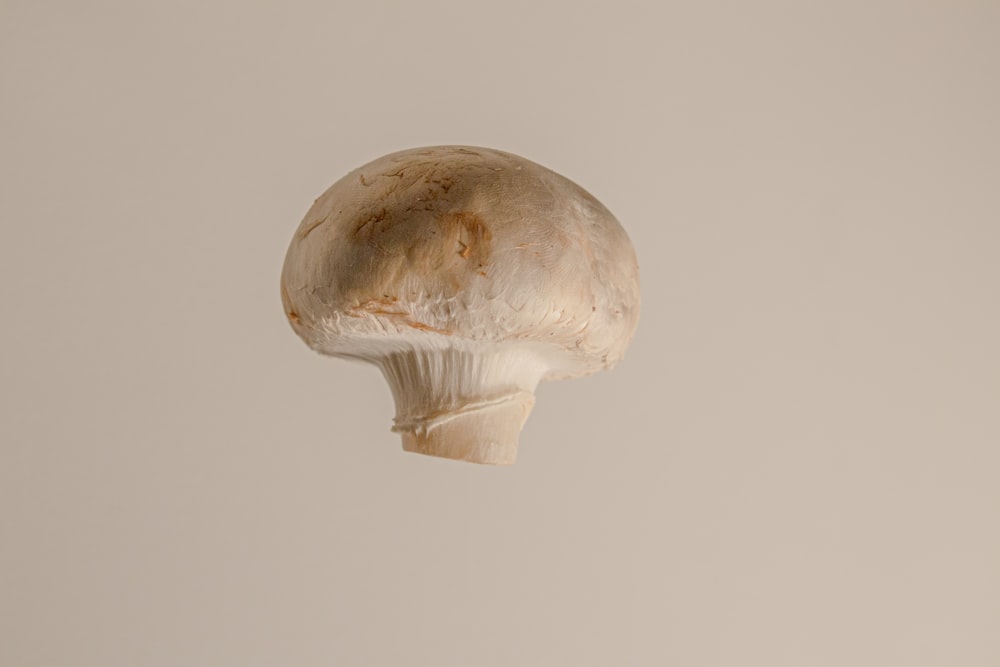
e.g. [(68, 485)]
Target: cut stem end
[(483, 433)]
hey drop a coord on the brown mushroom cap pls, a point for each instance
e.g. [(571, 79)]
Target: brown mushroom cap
[(467, 245)]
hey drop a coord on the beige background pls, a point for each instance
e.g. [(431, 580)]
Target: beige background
[(796, 464)]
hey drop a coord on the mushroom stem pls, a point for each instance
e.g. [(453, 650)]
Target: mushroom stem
[(463, 405)]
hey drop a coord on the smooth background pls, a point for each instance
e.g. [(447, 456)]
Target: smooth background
[(796, 464)]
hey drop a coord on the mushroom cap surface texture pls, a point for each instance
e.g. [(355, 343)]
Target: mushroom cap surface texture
[(467, 275)]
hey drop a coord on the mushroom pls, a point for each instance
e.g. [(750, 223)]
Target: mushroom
[(467, 275)]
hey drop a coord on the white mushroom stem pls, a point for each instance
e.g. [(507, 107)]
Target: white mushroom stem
[(465, 405)]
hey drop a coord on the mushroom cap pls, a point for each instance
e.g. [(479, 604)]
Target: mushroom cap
[(462, 246)]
